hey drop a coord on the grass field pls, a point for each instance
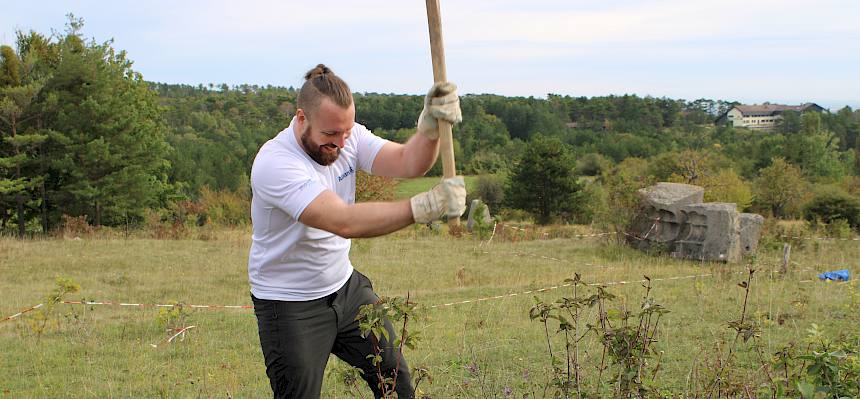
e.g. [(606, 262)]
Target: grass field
[(408, 187), (478, 349)]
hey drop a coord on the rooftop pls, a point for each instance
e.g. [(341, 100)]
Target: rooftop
[(771, 109)]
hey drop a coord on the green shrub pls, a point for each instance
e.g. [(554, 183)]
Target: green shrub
[(780, 189), (727, 186), (487, 162), (596, 202), (620, 185), (225, 207), (491, 190), (832, 205), (592, 164)]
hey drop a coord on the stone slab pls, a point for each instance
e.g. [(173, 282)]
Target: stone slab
[(711, 232), (470, 222), (672, 195), (750, 230), (659, 218)]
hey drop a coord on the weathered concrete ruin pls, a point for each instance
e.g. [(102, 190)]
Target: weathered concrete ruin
[(486, 218), (673, 218), (750, 232)]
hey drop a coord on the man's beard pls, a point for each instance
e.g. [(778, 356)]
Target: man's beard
[(316, 152)]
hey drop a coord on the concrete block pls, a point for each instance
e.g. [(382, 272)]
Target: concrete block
[(672, 195), (659, 218), (711, 232), (470, 222), (750, 229), (672, 218)]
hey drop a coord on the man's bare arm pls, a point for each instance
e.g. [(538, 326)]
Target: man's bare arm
[(367, 219), (370, 219), (417, 156), (412, 159)]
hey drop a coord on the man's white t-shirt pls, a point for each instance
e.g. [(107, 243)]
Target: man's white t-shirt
[(290, 261)]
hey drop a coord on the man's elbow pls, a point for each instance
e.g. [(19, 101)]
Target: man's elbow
[(336, 219), (347, 229), (417, 171), (347, 232), (342, 229)]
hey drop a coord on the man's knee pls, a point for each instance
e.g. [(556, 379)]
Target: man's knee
[(295, 379)]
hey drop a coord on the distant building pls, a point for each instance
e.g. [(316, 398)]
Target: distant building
[(761, 117)]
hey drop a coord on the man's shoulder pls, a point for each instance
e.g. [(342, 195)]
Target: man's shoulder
[(359, 131), (275, 155), (362, 135), (277, 147), (358, 126)]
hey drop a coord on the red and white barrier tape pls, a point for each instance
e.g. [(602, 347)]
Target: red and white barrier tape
[(143, 305), (530, 255), (22, 312), (821, 238), (593, 235), (567, 285), (541, 257), (147, 305), (655, 226), (573, 236), (511, 295), (590, 285), (137, 305)]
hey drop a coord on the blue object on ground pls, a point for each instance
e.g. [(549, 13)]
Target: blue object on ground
[(837, 275)]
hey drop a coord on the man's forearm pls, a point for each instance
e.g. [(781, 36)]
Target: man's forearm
[(372, 219)]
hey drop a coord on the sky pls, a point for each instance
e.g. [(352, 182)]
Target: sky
[(752, 51)]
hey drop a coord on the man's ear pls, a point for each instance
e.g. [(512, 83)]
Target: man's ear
[(301, 118)]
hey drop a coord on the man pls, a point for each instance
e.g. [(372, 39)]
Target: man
[(305, 291)]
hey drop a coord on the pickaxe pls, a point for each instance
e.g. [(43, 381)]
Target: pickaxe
[(437, 53)]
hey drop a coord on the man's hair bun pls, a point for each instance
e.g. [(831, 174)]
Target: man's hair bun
[(319, 70)]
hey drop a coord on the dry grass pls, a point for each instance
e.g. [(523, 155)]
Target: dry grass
[(104, 351)]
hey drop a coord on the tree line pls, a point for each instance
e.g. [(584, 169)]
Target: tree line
[(83, 134)]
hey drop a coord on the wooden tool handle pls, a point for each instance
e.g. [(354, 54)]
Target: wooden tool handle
[(437, 53)]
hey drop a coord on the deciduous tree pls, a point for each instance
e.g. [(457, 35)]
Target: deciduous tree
[(780, 188)]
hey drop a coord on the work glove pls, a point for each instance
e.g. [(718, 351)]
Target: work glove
[(446, 198), (441, 103)]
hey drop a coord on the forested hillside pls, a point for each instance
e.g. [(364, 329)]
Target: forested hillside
[(83, 134)]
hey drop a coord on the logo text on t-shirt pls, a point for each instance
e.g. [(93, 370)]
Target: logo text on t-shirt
[(345, 174)]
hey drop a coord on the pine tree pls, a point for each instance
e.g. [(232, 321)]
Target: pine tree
[(110, 126), (20, 136), (543, 181)]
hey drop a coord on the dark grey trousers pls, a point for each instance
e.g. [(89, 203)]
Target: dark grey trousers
[(297, 338)]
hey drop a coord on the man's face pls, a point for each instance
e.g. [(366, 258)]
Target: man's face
[(325, 132)]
